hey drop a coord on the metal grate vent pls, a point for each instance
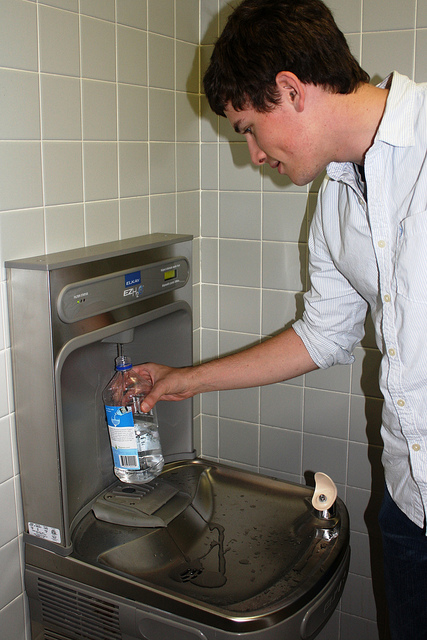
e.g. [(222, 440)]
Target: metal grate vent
[(51, 635), (84, 617)]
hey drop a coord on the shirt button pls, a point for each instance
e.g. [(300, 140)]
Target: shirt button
[(416, 447), (387, 298), (381, 244), (401, 403), (392, 352)]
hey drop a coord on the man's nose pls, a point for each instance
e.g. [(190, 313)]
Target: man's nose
[(257, 155)]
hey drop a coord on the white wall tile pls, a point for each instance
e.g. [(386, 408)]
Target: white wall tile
[(102, 221), (239, 262), (19, 105), (238, 441), (329, 455), (187, 126), (163, 213), (162, 167), (280, 450), (188, 221), (134, 217), (241, 405), (161, 16), (13, 620), (236, 173), (60, 108), (100, 170), (161, 120), (21, 175), (99, 110), (69, 5), (18, 42), (284, 265), (385, 15), (64, 227), (347, 14), (383, 52), (63, 181), (11, 582), (326, 414), (187, 67), (282, 406), (131, 56), (133, 169), (187, 166), (187, 21), (421, 56), (132, 13), (98, 9), (30, 239), (285, 217), (98, 49), (8, 522), (161, 61), (59, 41), (133, 113), (240, 215), (279, 310), (6, 459)]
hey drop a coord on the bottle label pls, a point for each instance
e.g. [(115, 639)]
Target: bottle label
[(122, 437)]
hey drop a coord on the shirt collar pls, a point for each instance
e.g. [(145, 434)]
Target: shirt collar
[(396, 127), (397, 124)]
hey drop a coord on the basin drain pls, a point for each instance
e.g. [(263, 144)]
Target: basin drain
[(190, 573)]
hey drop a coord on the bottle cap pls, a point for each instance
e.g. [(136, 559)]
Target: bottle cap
[(123, 363)]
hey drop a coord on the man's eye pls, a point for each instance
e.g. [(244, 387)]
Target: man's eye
[(247, 130)]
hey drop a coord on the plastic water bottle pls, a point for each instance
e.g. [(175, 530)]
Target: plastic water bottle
[(134, 435)]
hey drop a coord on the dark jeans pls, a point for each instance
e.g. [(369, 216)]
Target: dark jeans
[(405, 572)]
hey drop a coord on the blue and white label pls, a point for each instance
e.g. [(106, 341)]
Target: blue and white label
[(122, 437), (132, 279)]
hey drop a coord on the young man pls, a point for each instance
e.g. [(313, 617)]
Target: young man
[(282, 73)]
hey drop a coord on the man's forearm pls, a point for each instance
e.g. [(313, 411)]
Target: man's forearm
[(279, 358)]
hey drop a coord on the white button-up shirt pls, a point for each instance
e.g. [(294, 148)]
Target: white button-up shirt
[(368, 246)]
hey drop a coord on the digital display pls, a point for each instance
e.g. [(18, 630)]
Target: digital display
[(131, 279), (170, 274)]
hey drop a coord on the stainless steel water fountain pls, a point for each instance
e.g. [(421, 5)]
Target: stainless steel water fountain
[(204, 551)]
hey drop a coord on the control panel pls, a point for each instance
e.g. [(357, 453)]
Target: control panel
[(87, 298)]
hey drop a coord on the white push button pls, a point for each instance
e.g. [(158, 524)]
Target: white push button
[(416, 447), (401, 403), (381, 244), (387, 298), (391, 352)]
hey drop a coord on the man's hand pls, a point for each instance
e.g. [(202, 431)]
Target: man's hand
[(168, 383)]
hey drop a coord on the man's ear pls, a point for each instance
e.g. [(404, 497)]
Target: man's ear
[(291, 89)]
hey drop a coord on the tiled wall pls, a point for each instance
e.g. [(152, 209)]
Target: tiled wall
[(99, 140), (254, 250)]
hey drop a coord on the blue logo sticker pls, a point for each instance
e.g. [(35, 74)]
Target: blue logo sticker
[(131, 279)]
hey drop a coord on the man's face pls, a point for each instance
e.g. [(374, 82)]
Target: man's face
[(283, 138)]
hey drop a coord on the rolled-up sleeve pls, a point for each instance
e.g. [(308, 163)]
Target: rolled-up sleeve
[(334, 312)]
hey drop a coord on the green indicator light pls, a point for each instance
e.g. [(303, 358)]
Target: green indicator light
[(169, 275)]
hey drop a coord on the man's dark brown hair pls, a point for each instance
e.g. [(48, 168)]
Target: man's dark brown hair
[(262, 38)]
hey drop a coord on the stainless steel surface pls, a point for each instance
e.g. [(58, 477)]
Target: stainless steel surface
[(60, 369), (239, 544)]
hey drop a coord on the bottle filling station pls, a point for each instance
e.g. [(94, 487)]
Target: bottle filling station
[(204, 551)]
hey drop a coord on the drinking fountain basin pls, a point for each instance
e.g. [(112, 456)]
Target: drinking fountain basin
[(239, 551)]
